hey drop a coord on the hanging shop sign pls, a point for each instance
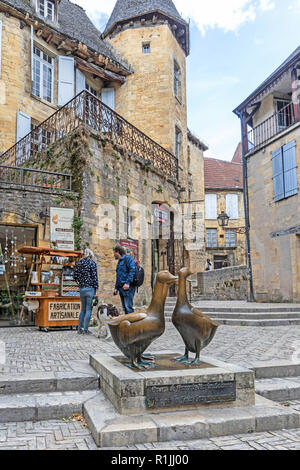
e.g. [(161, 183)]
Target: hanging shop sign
[(131, 247), (161, 213), (61, 228)]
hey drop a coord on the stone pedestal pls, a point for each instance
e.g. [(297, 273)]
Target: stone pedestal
[(171, 386)]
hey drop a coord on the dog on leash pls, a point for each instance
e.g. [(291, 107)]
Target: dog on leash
[(105, 312)]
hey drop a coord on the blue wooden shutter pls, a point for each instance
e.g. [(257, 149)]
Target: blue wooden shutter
[(80, 81), (108, 97), (290, 169), (23, 125), (65, 79), (278, 174)]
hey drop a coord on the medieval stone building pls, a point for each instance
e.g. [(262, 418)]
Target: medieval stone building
[(97, 123), (270, 138)]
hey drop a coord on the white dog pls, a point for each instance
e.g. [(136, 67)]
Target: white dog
[(105, 312)]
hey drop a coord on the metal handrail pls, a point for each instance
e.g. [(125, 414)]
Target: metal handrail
[(271, 127), (86, 109), (35, 178)]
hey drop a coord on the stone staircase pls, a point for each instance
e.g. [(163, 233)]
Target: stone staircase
[(41, 396), (249, 315), (279, 383)]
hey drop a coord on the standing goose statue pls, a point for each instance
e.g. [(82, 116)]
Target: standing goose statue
[(133, 333), (196, 329)]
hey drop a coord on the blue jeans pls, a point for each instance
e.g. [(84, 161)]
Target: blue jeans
[(86, 297), (127, 299)]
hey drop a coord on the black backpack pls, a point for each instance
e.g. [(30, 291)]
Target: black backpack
[(139, 277)]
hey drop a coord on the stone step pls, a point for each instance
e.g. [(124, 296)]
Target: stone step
[(42, 406), (246, 316), (111, 429), (238, 310), (279, 389), (42, 382), (274, 322), (277, 369)]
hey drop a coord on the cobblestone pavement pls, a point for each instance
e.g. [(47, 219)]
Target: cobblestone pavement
[(28, 349), (68, 435)]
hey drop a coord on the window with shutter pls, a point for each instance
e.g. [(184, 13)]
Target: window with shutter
[(230, 238), (232, 206), (290, 169), (211, 238), (211, 206), (65, 80), (285, 177)]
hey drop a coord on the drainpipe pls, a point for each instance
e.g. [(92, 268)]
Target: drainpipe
[(246, 198), (295, 98)]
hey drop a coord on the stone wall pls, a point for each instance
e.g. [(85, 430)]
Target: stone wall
[(23, 205), (222, 284)]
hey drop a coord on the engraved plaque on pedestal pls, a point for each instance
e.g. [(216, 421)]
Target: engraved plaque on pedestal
[(159, 396)]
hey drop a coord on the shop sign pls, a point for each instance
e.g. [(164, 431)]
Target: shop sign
[(61, 228), (161, 214), (131, 247), (64, 311)]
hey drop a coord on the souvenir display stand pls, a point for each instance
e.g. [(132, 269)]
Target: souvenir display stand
[(52, 287)]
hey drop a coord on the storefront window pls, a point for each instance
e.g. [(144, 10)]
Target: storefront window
[(14, 272)]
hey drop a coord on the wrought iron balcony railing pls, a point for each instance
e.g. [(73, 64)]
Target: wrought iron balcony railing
[(86, 109), (271, 127), (35, 178)]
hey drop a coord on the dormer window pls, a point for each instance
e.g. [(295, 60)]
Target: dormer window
[(46, 8)]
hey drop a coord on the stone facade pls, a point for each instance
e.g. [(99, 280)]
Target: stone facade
[(222, 284), (275, 260)]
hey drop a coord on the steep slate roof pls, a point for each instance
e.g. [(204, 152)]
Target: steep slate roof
[(293, 58), (220, 174), (125, 9), (238, 156), (74, 23)]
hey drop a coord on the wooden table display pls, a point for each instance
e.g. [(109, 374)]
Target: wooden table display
[(59, 302)]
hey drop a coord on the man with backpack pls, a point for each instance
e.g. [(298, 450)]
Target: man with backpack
[(129, 277)]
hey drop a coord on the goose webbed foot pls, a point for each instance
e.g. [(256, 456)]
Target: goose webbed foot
[(195, 361), (147, 357), (145, 363), (183, 359), (138, 365)]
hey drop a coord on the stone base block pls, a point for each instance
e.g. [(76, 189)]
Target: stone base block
[(171, 386), (111, 429)]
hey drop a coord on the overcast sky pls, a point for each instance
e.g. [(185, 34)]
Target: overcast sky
[(235, 45)]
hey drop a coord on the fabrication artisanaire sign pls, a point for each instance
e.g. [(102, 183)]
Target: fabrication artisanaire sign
[(61, 228)]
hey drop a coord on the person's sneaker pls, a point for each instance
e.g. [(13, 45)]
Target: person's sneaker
[(87, 332), (80, 332)]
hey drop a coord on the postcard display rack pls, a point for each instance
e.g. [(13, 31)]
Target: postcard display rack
[(52, 285)]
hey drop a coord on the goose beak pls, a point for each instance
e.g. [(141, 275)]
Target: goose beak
[(173, 280)]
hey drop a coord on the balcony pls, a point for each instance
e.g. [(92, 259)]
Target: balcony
[(273, 126), (87, 110)]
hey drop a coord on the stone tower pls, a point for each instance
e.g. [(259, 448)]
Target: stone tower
[(154, 39)]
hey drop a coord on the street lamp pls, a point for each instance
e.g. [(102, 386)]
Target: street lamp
[(223, 219)]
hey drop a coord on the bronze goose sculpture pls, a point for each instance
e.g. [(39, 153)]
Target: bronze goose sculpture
[(134, 333), (196, 329)]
